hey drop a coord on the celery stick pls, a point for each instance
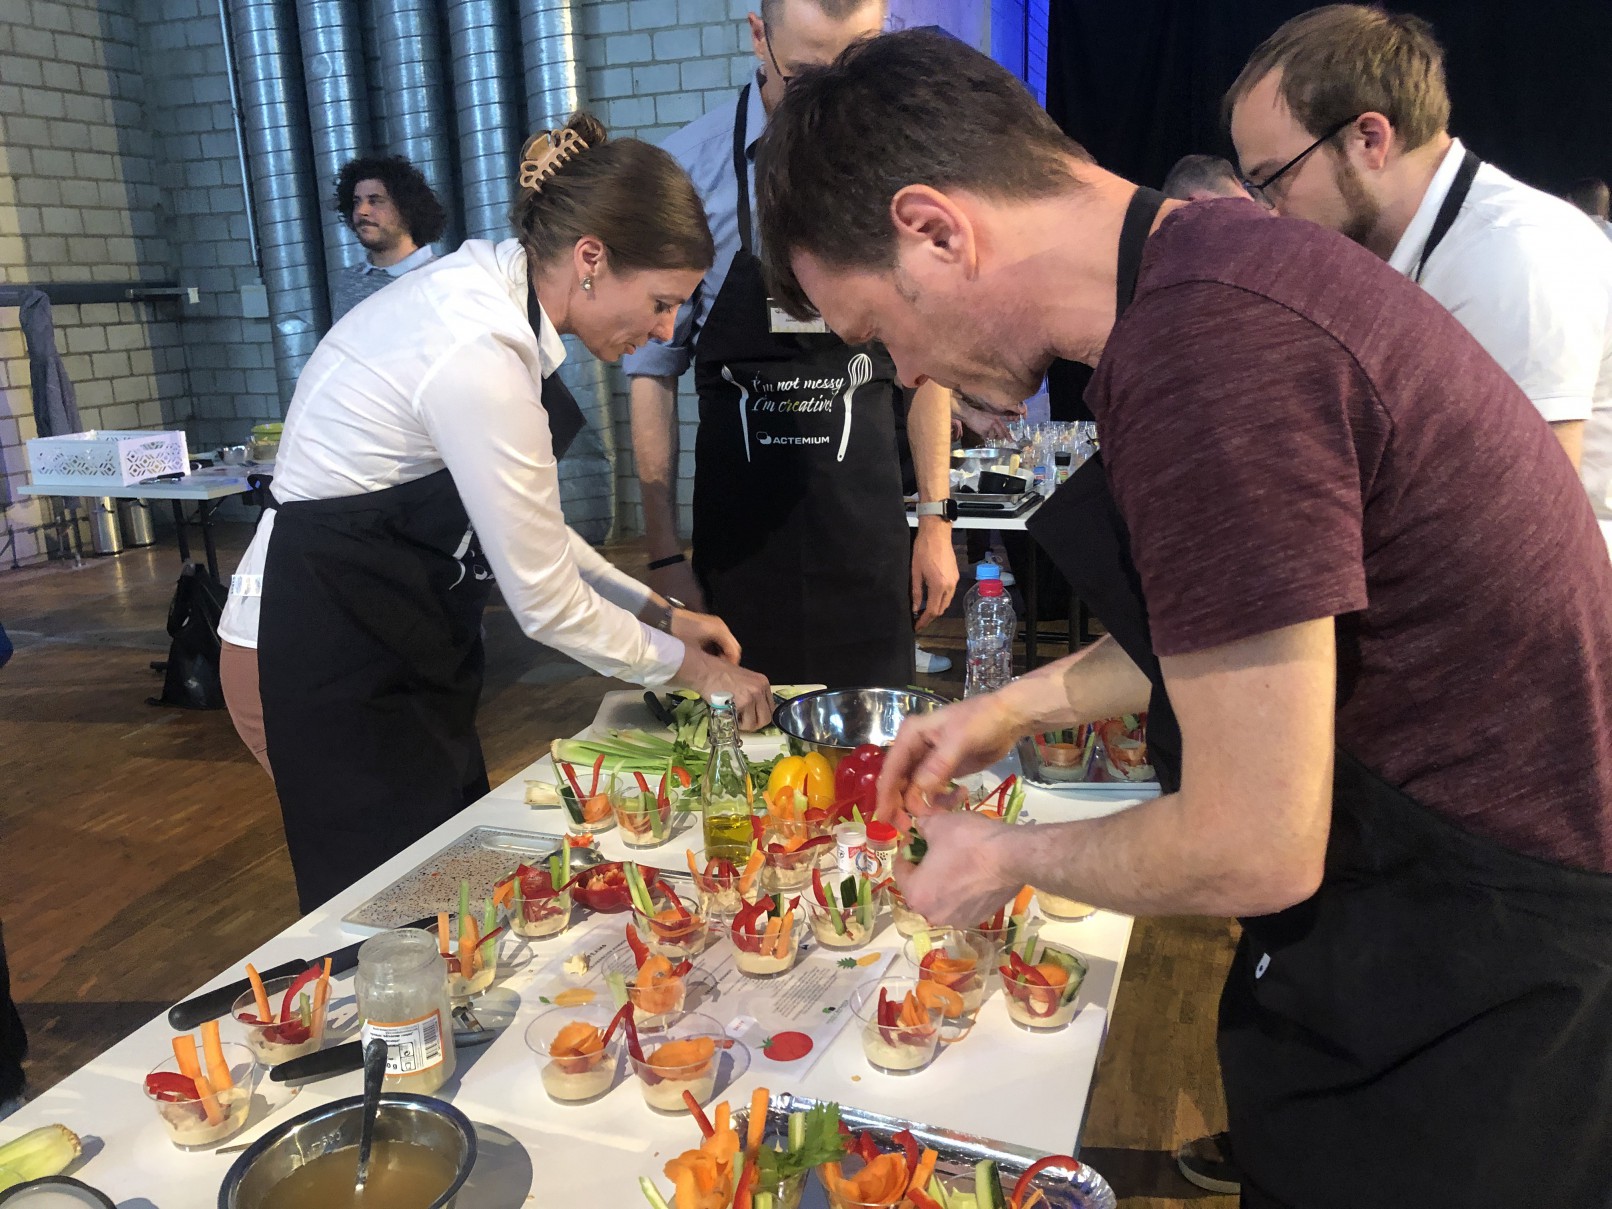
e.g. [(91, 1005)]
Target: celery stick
[(1015, 803), (797, 1131), (761, 1200), (921, 944), (639, 892), (464, 904), (864, 902), (304, 1010), (651, 1193), (617, 983)]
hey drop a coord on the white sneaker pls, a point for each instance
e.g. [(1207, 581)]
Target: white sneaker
[(929, 662)]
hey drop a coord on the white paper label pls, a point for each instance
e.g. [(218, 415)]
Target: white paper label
[(411, 1046), (780, 320)]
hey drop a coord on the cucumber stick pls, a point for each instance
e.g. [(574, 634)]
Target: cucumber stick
[(987, 1186)]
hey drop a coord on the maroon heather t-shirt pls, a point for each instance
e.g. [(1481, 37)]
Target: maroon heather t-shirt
[(1292, 431)]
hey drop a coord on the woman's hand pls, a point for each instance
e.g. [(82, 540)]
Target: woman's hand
[(708, 674), (707, 633)]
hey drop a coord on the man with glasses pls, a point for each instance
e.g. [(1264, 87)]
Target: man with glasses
[(1341, 117), (800, 533)]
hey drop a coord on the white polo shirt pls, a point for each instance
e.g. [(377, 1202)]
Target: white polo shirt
[(1530, 276), (442, 370)]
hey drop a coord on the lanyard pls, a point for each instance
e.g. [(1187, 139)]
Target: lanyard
[(1133, 233), (1453, 201)]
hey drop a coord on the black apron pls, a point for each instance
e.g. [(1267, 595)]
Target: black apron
[(1431, 1029), (800, 534)]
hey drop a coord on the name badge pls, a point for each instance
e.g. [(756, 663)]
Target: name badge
[(781, 321)]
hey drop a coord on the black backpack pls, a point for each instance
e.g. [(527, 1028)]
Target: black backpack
[(190, 677)]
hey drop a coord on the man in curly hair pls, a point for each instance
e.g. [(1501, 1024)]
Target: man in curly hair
[(390, 207)]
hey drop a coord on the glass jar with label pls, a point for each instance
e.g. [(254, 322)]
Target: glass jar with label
[(403, 999)]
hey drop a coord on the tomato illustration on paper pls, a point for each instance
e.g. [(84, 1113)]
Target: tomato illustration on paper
[(787, 1047)]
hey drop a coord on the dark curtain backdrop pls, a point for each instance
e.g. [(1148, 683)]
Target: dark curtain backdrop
[(1139, 82)]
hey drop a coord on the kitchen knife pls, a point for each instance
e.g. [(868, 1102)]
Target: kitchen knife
[(349, 1056), (658, 708), (210, 1005)]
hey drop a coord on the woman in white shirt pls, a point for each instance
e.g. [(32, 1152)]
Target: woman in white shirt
[(416, 467)]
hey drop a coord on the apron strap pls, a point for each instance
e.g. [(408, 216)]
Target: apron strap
[(1139, 216), (1447, 212), (741, 169), (566, 420)]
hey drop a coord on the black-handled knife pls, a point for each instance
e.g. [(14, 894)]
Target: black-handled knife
[(210, 1005), (658, 708), (349, 1056)]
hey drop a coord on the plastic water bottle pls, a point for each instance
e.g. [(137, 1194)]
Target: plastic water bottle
[(992, 626)]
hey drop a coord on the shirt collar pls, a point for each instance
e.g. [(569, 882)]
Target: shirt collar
[(755, 119), (413, 260), (1410, 245), (550, 348)]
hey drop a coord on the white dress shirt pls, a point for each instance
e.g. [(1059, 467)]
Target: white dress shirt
[(443, 370), (1530, 276)]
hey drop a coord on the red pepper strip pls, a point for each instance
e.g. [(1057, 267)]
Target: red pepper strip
[(298, 984), (1052, 1162), (643, 784), (920, 1201), (818, 841), (866, 1148), (630, 1023), (677, 905), (1034, 980), (681, 776), (576, 787), (620, 1018), (1018, 963), (758, 824), (292, 1032), (700, 1119), (635, 942), (817, 886), (744, 1190), (597, 765), (722, 868), (928, 962), (746, 934), (170, 1085), (682, 968), (909, 1148), (884, 1006)]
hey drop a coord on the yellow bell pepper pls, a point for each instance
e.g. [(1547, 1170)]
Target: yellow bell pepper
[(819, 781), (789, 772)]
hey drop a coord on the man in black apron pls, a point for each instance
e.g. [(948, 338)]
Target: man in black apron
[(800, 537), (1420, 1011)]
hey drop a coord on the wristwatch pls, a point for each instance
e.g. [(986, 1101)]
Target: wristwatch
[(663, 623), (946, 509)]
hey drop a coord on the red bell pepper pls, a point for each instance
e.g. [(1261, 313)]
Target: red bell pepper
[(920, 1200), (744, 1190), (758, 824), (744, 930), (909, 1149), (576, 786), (682, 968), (865, 1147), (817, 887), (635, 942), (171, 1086), (298, 984), (1052, 1162), (292, 1032), (597, 766), (624, 1019), (643, 783), (700, 1119)]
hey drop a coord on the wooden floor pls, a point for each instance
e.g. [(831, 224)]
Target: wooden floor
[(141, 852)]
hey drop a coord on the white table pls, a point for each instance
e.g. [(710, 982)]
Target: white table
[(202, 487), (593, 1154)]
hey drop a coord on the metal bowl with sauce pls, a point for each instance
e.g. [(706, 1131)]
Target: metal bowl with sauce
[(837, 721), (406, 1120)]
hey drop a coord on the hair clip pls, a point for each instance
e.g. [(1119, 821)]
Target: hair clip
[(544, 155)]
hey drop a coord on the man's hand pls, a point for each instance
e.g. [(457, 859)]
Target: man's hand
[(707, 674), (710, 634), (934, 569), (678, 581), (934, 749), (986, 425), (967, 871)]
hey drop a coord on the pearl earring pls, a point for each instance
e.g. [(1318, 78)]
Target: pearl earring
[(587, 284)]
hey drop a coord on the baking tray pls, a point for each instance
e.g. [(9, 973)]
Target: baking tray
[(958, 1152), (1046, 777), (480, 856)]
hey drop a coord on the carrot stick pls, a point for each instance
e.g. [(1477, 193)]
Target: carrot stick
[(217, 1069), (694, 872), (751, 868), (769, 938), (209, 1102), (321, 996), (786, 928), (926, 1168), (185, 1055), (1021, 903), (264, 1013), (760, 1099), (469, 942), (723, 1118), (442, 933)]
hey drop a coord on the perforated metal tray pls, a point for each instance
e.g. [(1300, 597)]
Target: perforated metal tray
[(480, 856)]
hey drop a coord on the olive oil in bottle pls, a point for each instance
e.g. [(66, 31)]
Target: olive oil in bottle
[(726, 794)]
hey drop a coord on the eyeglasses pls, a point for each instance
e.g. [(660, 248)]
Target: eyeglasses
[(766, 35), (1257, 189)]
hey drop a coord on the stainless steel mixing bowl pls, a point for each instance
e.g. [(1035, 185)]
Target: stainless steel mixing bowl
[(834, 721)]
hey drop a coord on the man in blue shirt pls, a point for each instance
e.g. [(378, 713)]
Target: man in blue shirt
[(396, 217), (800, 537)]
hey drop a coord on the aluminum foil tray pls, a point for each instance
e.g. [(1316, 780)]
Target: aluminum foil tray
[(958, 1152), (1044, 776), (480, 856)]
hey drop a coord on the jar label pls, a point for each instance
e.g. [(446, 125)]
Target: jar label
[(412, 1046)]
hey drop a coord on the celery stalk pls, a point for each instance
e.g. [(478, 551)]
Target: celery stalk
[(651, 1193), (617, 983)]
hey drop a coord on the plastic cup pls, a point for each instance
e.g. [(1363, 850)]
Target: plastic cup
[(189, 1124), (594, 813), (641, 820), (906, 920), (1035, 1007), (718, 893), (753, 963), (657, 1004), (540, 917), (974, 954), (666, 932), (575, 1079), (274, 1043), (785, 872), (663, 1085), (895, 1049), (464, 986), (840, 928)]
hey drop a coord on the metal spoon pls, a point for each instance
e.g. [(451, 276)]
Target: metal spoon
[(374, 1072)]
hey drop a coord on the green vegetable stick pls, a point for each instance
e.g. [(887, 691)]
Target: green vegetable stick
[(797, 1130), (652, 1193), (1015, 803), (921, 943), (639, 891), (617, 983), (761, 1200), (864, 902)]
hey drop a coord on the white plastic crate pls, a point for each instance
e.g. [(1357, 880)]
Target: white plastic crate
[(106, 458)]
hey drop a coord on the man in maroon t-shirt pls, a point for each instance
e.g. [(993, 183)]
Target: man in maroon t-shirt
[(1332, 535)]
